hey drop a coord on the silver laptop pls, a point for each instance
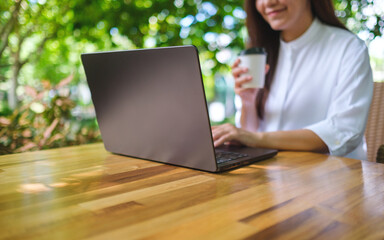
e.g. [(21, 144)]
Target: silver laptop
[(150, 104)]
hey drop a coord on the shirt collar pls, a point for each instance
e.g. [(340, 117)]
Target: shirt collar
[(306, 37)]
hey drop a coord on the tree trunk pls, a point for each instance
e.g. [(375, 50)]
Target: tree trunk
[(12, 95), (7, 28)]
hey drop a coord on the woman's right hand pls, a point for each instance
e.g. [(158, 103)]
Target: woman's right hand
[(240, 76)]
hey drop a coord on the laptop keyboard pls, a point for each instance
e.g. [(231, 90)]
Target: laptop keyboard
[(222, 157)]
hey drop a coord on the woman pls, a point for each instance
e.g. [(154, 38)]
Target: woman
[(318, 88)]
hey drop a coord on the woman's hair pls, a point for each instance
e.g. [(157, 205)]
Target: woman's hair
[(262, 35)]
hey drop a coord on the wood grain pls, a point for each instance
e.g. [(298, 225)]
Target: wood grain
[(84, 192)]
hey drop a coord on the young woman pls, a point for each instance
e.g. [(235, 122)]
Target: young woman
[(318, 87)]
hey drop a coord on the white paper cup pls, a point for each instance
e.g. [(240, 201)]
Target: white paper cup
[(254, 59)]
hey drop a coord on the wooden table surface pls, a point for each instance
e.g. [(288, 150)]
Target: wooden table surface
[(87, 193)]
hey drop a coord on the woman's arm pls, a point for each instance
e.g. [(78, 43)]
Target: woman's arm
[(304, 140), (248, 119), (299, 140)]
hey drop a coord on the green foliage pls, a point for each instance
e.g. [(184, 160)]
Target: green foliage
[(362, 16), (45, 121)]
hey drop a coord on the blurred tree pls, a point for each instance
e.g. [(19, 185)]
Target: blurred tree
[(364, 17), (28, 28), (45, 123), (32, 28)]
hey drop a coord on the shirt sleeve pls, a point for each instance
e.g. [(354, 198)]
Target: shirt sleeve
[(343, 129)]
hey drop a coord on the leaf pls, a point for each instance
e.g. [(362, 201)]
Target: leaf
[(65, 81), (55, 137), (23, 119), (5, 121), (27, 133), (26, 147), (40, 96), (46, 84), (49, 130), (30, 91)]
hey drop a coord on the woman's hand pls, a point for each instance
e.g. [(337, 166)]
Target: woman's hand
[(240, 76), (297, 140), (228, 133)]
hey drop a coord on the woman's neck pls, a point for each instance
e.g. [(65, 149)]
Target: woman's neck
[(299, 29)]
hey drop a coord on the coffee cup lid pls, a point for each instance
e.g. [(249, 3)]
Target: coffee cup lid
[(254, 50)]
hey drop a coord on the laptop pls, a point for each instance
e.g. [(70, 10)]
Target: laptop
[(150, 104)]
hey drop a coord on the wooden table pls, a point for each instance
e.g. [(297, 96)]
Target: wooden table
[(86, 192)]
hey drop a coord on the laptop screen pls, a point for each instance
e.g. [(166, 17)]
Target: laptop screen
[(150, 104)]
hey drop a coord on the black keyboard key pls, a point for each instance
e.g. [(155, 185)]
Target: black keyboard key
[(222, 156)]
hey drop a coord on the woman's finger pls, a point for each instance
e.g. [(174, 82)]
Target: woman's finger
[(236, 72), (217, 132), (224, 138), (236, 63), (223, 134), (246, 92), (267, 67), (241, 80)]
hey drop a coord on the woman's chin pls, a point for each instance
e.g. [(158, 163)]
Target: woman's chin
[(277, 25)]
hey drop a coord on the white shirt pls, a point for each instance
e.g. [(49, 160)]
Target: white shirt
[(323, 82)]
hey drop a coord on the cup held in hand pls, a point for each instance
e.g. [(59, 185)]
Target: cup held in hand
[(254, 59)]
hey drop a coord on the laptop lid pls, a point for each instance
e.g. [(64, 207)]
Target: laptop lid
[(150, 104)]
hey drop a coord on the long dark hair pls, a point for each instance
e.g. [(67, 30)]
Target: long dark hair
[(262, 35)]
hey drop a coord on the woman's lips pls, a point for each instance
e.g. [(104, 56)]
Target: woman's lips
[(272, 13)]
